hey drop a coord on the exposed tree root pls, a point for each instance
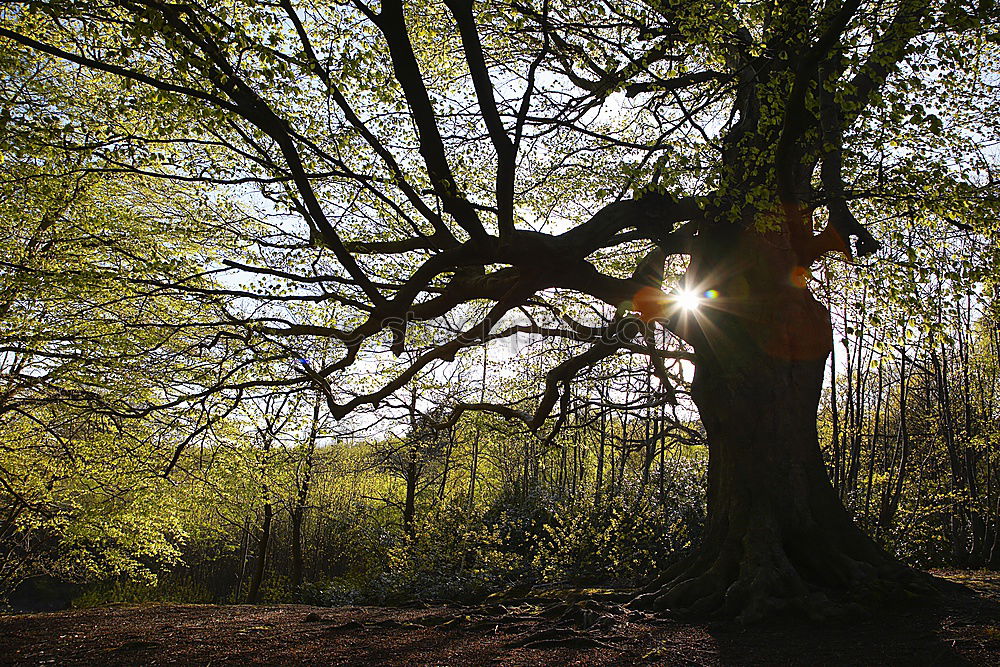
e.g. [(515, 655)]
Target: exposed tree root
[(814, 576), (560, 638)]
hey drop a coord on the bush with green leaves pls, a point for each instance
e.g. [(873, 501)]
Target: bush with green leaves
[(626, 537), (452, 556)]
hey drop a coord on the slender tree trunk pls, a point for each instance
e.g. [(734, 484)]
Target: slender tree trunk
[(244, 555), (598, 484), (846, 430), (977, 522), (873, 448), (474, 467), (648, 451), (834, 417), (297, 516), (857, 429), (260, 559), (662, 465), (449, 447), (260, 562), (958, 487), (302, 498), (577, 463), (894, 491), (563, 477), (410, 502), (623, 459), (474, 464)]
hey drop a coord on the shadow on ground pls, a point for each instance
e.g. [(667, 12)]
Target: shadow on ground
[(960, 628), (555, 627)]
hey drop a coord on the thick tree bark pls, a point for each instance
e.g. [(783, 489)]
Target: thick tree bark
[(777, 535)]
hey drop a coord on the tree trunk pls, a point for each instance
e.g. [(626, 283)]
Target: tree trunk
[(409, 503), (260, 564), (297, 560), (244, 555), (302, 499), (777, 535), (447, 463), (599, 483)]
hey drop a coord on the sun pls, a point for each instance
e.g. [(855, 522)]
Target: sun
[(687, 300)]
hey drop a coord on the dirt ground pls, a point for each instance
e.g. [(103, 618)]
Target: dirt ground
[(571, 628)]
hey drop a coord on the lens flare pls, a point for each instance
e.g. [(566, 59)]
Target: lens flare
[(711, 294), (687, 300), (800, 276)]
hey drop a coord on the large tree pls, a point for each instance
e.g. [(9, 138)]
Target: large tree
[(415, 162)]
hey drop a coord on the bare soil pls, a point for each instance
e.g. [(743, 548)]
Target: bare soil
[(564, 627)]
